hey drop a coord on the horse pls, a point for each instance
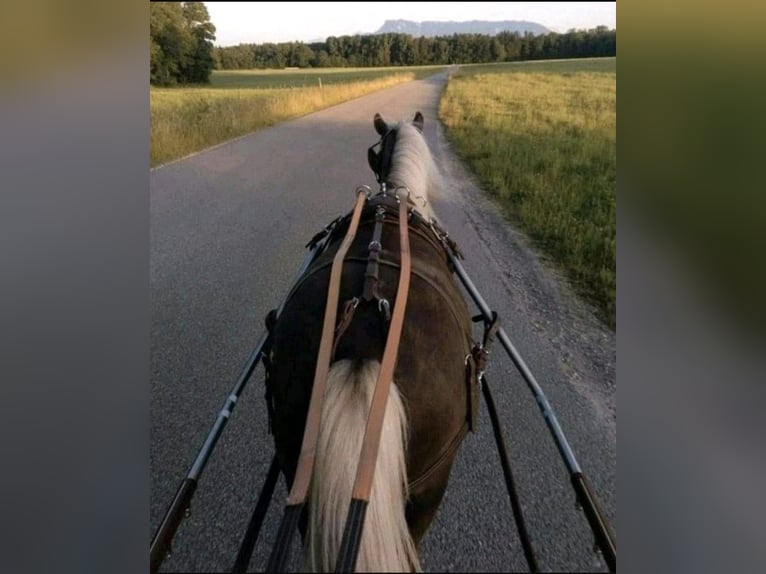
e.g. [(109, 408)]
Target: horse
[(427, 414)]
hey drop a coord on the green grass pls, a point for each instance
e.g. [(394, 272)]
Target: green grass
[(570, 66), (189, 119), (541, 137), (310, 77)]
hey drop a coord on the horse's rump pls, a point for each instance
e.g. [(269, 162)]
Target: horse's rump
[(430, 371)]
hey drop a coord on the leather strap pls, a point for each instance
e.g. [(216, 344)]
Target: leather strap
[(369, 454), (365, 470), (305, 468)]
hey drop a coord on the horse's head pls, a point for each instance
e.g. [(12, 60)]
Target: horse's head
[(402, 158)]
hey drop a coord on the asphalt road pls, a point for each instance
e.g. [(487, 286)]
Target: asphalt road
[(228, 227)]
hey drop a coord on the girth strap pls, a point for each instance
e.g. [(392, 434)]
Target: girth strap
[(365, 471)]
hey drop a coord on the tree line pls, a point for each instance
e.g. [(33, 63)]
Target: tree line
[(181, 43), (405, 50)]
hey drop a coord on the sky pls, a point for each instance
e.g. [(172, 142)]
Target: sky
[(258, 22)]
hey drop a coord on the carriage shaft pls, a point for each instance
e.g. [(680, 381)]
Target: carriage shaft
[(585, 496), (542, 401), (163, 537)]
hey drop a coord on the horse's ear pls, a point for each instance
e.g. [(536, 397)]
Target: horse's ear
[(418, 121), (380, 125)]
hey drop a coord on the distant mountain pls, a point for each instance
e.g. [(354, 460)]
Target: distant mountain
[(471, 27)]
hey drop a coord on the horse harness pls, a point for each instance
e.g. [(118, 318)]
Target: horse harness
[(381, 210), (385, 208)]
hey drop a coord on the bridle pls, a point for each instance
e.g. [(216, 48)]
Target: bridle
[(380, 160), (379, 157)]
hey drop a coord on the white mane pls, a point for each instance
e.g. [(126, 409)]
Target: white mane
[(413, 166)]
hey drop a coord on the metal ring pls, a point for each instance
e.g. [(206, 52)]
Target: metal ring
[(363, 188)]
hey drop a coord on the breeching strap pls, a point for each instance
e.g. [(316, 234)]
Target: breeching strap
[(360, 496), (299, 491)]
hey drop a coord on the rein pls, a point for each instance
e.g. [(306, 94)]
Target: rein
[(298, 494), (296, 500), (360, 495)]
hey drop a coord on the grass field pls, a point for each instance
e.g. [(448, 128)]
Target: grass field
[(309, 77), (541, 137), (237, 102)]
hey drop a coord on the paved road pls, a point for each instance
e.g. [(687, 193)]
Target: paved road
[(227, 232)]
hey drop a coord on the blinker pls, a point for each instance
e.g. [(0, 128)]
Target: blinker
[(373, 157), (380, 158)]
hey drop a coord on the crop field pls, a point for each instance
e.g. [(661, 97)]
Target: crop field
[(541, 137), (188, 119)]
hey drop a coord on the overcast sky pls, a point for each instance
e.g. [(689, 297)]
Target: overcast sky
[(258, 22)]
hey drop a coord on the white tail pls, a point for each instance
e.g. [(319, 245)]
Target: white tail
[(386, 543)]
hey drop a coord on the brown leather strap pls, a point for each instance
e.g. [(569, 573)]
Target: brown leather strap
[(366, 468), (305, 468)]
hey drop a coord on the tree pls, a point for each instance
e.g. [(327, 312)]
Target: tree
[(497, 50), (169, 42), (180, 43), (300, 55), (200, 61), (404, 50)]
